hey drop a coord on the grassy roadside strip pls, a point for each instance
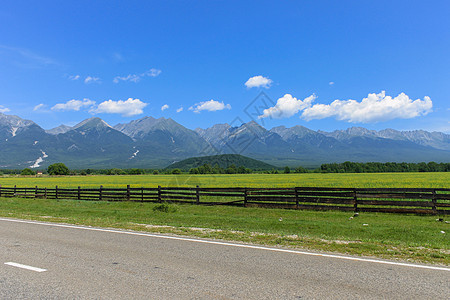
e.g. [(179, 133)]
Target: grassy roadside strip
[(403, 237)]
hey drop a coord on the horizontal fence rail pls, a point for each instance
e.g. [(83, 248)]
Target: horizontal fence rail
[(389, 200)]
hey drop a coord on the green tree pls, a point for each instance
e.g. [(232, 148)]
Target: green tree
[(176, 171), (135, 171), (231, 169), (287, 170), (217, 169), (433, 167), (116, 171), (301, 169), (423, 167), (58, 169), (241, 170), (27, 171)]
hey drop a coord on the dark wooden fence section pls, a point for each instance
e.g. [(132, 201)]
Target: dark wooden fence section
[(390, 200)]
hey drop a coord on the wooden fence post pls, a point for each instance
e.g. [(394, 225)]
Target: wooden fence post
[(0, 190), (245, 197), (159, 194), (355, 201), (56, 192), (35, 191), (142, 193), (197, 194), (45, 192), (79, 193), (296, 197), (100, 196), (128, 192), (15, 190), (434, 202)]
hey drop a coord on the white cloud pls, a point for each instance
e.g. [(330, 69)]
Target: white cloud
[(287, 106), (374, 108), (164, 107), (258, 81), (210, 105), (152, 72), (137, 77), (331, 83), (4, 109), (73, 104), (74, 77), (91, 79), (180, 109), (128, 108), (38, 107), (130, 77)]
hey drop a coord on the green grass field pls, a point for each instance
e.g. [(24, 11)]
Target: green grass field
[(361, 180)]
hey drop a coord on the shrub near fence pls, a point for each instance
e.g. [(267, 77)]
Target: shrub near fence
[(390, 200)]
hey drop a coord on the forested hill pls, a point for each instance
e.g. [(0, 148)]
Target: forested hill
[(223, 161)]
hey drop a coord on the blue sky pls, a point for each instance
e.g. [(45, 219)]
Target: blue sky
[(65, 61)]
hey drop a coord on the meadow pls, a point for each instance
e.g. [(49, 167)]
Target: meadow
[(351, 180)]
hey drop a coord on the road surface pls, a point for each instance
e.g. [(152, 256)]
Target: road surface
[(48, 261)]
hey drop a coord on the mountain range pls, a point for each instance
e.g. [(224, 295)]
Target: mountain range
[(156, 143)]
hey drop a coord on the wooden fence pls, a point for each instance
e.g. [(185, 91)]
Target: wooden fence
[(390, 200)]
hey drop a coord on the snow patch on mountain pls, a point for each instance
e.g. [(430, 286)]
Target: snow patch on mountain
[(73, 147), (134, 154), (38, 161), (14, 130)]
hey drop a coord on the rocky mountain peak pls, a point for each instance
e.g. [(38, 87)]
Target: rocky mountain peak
[(93, 122), (11, 125), (60, 129), (295, 131)]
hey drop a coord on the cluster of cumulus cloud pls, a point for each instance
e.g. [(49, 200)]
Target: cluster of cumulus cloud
[(373, 108), (127, 108), (211, 105), (258, 81)]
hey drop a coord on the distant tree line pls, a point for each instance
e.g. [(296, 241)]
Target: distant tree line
[(216, 169), (61, 169), (287, 170), (376, 167), (346, 167)]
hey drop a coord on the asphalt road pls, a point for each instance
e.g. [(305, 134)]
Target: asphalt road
[(90, 263)]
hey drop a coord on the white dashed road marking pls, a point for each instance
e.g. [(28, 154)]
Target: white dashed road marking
[(25, 267)]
